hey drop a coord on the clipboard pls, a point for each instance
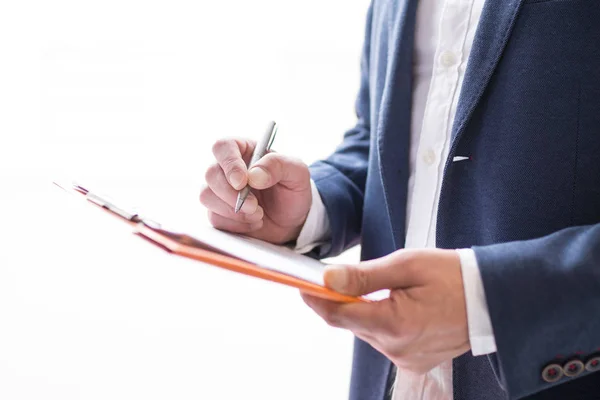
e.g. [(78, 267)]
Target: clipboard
[(271, 263)]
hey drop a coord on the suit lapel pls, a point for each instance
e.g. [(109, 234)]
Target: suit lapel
[(495, 26), (392, 130), (394, 124), (393, 127)]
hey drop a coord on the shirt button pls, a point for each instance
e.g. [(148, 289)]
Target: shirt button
[(448, 59), (429, 157)]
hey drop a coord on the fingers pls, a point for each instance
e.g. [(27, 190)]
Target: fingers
[(231, 156), (231, 225), (212, 202), (217, 183), (275, 168), (360, 318), (390, 272), (357, 280)]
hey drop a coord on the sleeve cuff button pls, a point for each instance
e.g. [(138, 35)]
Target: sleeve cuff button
[(573, 368), (552, 373), (593, 364)]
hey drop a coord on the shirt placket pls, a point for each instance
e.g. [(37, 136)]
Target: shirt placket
[(435, 130)]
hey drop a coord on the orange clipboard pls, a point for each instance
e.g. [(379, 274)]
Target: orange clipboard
[(187, 246)]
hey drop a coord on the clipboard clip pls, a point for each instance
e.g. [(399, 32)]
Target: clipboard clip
[(104, 202)]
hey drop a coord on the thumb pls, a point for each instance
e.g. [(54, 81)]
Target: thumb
[(390, 272), (275, 168)]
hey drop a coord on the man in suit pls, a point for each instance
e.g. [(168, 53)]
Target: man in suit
[(472, 182)]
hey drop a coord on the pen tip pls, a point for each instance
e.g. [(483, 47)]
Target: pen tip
[(238, 205)]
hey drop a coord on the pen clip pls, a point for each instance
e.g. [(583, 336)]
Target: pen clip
[(272, 138)]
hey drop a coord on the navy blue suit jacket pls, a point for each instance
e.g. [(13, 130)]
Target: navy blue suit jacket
[(528, 200)]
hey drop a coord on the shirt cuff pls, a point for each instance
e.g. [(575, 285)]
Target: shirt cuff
[(481, 334), (316, 230)]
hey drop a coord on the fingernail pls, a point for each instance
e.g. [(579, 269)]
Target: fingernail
[(258, 176), (336, 277), (250, 205), (236, 178), (256, 225)]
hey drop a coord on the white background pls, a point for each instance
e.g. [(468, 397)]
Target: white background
[(130, 95)]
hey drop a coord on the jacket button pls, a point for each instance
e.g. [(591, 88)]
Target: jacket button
[(552, 373), (593, 364), (573, 368)]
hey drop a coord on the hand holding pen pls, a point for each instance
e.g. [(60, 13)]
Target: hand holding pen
[(262, 147), (276, 189)]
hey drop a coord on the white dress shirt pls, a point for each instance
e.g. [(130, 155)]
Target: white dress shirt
[(444, 35)]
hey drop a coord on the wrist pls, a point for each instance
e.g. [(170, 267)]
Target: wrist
[(292, 237), (315, 229)]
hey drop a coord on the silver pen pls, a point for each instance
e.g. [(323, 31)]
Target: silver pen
[(262, 148)]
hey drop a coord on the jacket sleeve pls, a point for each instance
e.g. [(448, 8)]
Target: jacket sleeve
[(341, 177), (543, 296)]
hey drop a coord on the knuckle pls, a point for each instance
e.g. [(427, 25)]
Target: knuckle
[(278, 161), (268, 163), (410, 260), (275, 158), (361, 280), (205, 195), (304, 171), (293, 161), (211, 173), (231, 162), (220, 145), (298, 163), (213, 219), (252, 218)]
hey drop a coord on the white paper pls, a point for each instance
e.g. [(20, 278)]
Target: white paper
[(266, 255)]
